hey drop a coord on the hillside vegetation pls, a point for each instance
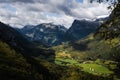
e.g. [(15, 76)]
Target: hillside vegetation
[(14, 66), (98, 53)]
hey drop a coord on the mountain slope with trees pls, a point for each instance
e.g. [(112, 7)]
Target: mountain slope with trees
[(17, 64), (46, 33), (103, 45)]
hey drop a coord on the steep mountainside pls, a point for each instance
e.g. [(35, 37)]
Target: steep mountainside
[(17, 57), (21, 44), (111, 28), (82, 28), (46, 33)]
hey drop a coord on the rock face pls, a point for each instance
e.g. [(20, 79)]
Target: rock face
[(52, 35), (46, 33), (82, 28)]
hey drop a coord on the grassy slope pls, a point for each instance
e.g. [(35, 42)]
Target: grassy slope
[(92, 49), (96, 69), (85, 49), (91, 67), (13, 66)]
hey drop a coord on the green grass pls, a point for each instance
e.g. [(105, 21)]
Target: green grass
[(63, 61), (95, 69), (92, 68)]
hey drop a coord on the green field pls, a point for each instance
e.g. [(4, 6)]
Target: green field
[(92, 68), (95, 69)]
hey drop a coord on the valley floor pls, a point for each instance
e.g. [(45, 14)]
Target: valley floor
[(93, 67)]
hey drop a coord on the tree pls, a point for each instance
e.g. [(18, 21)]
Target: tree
[(112, 1), (111, 28)]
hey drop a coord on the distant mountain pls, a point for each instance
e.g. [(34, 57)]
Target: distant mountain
[(52, 35), (27, 27), (18, 42), (46, 33), (82, 28)]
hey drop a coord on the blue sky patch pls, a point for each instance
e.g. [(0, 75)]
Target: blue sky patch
[(79, 1), (9, 7)]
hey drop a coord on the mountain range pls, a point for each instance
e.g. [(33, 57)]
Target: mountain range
[(18, 42), (47, 33), (21, 59), (82, 28), (52, 35)]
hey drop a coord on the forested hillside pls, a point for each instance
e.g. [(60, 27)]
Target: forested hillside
[(101, 48)]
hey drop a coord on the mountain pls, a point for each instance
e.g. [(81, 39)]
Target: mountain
[(100, 48), (46, 33), (52, 35), (111, 28), (17, 64), (12, 37), (18, 57), (21, 44), (82, 28)]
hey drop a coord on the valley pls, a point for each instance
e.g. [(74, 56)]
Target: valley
[(88, 50), (92, 59)]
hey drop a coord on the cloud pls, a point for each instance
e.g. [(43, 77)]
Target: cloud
[(11, 1), (22, 12)]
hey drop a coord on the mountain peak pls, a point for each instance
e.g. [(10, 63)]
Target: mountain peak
[(50, 25), (29, 26), (82, 28), (47, 33)]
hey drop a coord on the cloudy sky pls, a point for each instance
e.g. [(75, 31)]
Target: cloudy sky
[(18, 13)]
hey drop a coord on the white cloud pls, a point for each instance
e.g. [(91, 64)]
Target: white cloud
[(43, 11)]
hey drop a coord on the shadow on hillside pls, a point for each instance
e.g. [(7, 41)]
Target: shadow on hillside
[(42, 53), (21, 45), (82, 46)]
